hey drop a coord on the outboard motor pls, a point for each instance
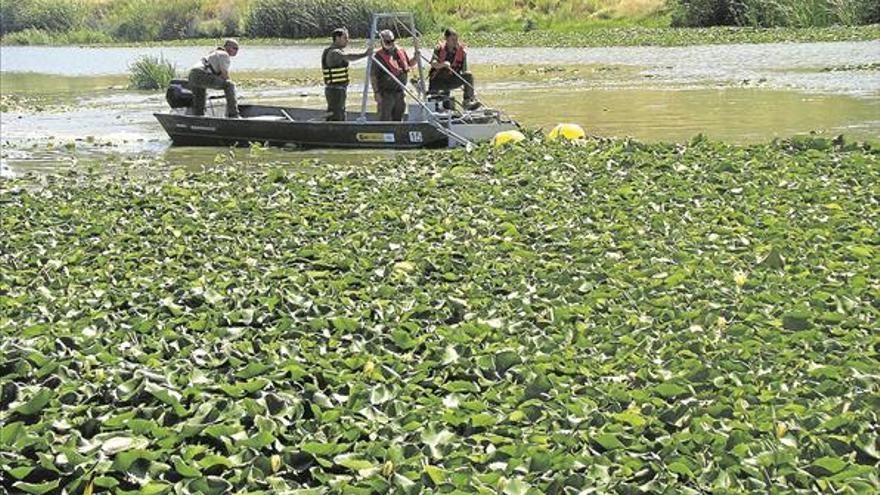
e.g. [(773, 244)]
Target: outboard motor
[(178, 94)]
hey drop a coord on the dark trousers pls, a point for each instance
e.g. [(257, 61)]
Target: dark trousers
[(335, 102), (447, 81), (391, 106), (200, 81)]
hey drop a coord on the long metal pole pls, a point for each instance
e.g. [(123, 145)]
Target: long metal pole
[(416, 42), (431, 120), (373, 27)]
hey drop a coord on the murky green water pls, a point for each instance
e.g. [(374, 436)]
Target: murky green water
[(744, 93)]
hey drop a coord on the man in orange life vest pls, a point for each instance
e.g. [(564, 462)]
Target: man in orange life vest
[(388, 89), (334, 65), (449, 69)]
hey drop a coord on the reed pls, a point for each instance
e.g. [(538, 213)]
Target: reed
[(775, 13), (151, 73)]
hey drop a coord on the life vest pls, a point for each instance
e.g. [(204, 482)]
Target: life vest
[(458, 59), (334, 75), (394, 66)]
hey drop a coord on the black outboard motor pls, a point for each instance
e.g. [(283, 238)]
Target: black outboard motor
[(178, 94)]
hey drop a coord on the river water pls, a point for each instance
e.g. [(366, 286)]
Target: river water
[(738, 93)]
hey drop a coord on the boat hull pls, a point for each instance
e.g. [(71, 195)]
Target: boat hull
[(303, 128)]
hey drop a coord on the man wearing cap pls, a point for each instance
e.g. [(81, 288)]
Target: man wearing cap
[(449, 69), (388, 84), (212, 72), (334, 64)]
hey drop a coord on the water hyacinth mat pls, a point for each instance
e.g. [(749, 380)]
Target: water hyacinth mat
[(612, 317)]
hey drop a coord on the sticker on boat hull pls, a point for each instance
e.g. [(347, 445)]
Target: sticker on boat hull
[(195, 127), (375, 137)]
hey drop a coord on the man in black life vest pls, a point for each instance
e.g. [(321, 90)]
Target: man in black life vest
[(449, 69), (334, 64), (388, 89), (212, 71)]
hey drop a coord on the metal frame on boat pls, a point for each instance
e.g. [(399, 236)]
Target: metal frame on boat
[(428, 124)]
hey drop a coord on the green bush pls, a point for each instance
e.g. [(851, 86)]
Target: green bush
[(693, 13), (86, 36), (177, 18), (45, 15), (853, 12), (8, 17), (146, 20), (30, 36), (212, 28), (149, 72), (128, 21)]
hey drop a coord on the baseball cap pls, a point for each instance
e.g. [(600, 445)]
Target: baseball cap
[(386, 35)]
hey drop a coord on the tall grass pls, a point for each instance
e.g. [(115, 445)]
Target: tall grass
[(775, 13), (310, 18), (149, 72)]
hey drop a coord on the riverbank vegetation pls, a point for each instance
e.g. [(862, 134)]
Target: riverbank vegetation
[(104, 21), (775, 13), (611, 317), (149, 72)]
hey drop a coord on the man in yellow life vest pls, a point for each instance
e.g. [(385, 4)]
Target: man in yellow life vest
[(334, 64), (389, 77), (449, 69)]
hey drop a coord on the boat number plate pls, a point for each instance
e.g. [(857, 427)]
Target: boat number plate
[(415, 136), (375, 137)]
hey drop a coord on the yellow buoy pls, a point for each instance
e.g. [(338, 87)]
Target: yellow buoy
[(571, 132), (505, 137)]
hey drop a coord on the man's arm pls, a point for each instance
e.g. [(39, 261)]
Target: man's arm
[(436, 63), (414, 60), (351, 57)]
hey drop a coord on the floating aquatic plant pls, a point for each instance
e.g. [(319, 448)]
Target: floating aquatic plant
[(611, 317)]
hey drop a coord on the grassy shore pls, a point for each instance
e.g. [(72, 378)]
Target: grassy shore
[(503, 321), (591, 37)]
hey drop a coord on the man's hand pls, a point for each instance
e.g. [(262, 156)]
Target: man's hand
[(378, 98), (446, 65)]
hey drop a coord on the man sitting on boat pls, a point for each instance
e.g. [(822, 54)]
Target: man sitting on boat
[(212, 72), (389, 77), (334, 64), (449, 69)]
